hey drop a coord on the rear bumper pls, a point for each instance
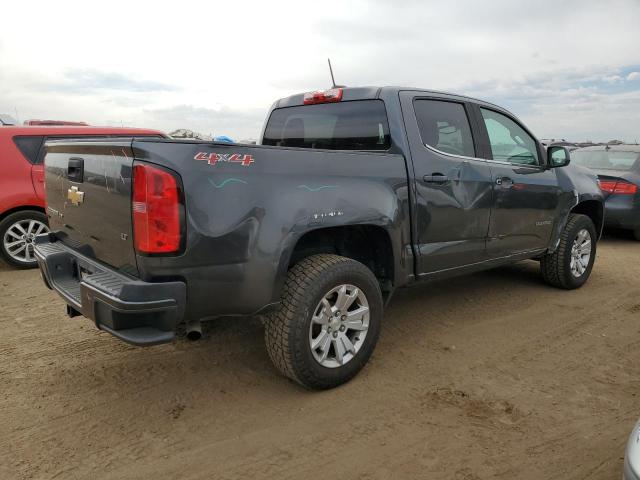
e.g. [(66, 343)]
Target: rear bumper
[(137, 312), (622, 212)]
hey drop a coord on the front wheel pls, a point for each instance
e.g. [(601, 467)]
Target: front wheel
[(328, 323), (570, 265), (17, 235)]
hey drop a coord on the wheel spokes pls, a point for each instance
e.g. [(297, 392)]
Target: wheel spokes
[(338, 346), (325, 313), (13, 244), (585, 247), (319, 339), (324, 348), (348, 346), (355, 319), (14, 234), (345, 300)]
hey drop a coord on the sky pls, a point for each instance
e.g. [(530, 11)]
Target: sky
[(569, 69)]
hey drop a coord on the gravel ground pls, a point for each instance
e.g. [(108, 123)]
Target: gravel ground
[(493, 375)]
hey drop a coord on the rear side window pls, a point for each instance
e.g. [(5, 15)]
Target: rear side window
[(509, 141), (445, 127), (29, 145), (356, 125)]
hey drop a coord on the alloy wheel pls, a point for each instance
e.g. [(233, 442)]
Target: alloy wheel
[(339, 326), (19, 239), (580, 253)]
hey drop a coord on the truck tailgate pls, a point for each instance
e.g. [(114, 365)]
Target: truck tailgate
[(88, 189)]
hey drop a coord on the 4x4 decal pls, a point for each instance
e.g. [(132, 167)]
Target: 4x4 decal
[(212, 158)]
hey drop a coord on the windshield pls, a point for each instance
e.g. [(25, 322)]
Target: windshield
[(356, 125), (605, 159)]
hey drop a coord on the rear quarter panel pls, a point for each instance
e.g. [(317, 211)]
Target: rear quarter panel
[(243, 221)]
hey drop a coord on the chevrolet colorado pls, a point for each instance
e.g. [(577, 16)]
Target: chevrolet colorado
[(352, 193)]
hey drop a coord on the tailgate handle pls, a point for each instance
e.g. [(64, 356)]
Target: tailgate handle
[(75, 169)]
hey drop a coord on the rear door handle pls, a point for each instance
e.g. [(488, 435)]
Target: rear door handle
[(504, 182), (435, 178), (75, 169)]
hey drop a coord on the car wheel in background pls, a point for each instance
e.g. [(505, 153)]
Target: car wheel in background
[(570, 265), (17, 235), (328, 322)]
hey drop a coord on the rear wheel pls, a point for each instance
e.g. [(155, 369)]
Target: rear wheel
[(328, 323), (570, 265), (17, 235)]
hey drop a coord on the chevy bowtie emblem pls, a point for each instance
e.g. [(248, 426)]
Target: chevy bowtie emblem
[(75, 196)]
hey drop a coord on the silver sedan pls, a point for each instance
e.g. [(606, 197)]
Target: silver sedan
[(632, 456)]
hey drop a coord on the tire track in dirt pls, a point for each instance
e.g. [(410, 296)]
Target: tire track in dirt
[(489, 376)]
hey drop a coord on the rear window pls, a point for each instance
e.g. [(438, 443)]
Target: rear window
[(29, 145), (445, 126), (605, 159), (356, 125)]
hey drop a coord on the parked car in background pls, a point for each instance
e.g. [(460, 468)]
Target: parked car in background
[(22, 204), (352, 194), (7, 120), (632, 456), (552, 142), (618, 169), (54, 123)]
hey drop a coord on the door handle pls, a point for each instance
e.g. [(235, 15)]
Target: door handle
[(436, 178), (75, 169), (504, 182)]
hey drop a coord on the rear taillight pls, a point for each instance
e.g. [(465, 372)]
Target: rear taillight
[(626, 188), (326, 96), (156, 210), (619, 187)]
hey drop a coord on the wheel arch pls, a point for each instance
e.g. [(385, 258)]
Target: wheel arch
[(22, 208), (590, 207), (368, 244), (593, 209)]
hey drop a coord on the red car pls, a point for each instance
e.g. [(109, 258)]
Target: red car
[(22, 204)]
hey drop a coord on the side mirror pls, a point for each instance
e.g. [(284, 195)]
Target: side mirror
[(557, 157)]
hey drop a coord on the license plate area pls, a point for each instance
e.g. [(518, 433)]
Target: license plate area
[(83, 272), (80, 271)]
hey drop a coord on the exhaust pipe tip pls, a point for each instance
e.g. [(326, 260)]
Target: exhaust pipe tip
[(194, 331)]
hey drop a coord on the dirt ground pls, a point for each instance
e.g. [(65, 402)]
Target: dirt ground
[(493, 375)]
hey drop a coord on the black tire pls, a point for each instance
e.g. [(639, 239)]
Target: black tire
[(556, 267), (287, 329), (6, 223)]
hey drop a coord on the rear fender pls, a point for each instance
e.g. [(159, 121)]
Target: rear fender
[(244, 220)]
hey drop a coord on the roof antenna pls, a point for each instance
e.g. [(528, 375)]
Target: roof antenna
[(333, 81)]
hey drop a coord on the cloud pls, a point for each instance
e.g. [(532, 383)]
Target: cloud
[(91, 81), (238, 124), (612, 79), (556, 72)]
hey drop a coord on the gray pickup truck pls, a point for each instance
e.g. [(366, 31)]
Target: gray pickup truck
[(351, 194)]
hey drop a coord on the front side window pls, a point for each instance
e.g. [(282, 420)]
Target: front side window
[(445, 127), (355, 125), (509, 141)]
